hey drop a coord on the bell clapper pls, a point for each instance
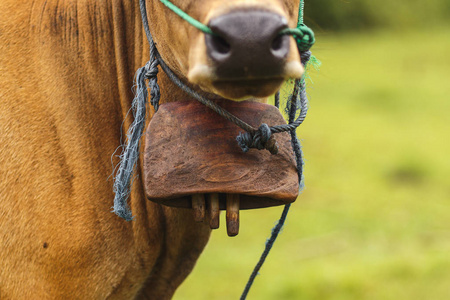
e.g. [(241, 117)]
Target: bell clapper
[(214, 211), (198, 204), (232, 214)]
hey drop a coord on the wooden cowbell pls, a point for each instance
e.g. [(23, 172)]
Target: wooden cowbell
[(192, 160)]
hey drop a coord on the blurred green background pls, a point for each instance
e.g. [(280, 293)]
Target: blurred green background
[(374, 219)]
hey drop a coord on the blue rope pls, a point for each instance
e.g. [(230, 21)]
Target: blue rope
[(123, 180), (275, 231), (130, 153), (299, 92)]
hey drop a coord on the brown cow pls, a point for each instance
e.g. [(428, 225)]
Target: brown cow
[(66, 71)]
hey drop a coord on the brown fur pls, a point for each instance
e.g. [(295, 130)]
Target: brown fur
[(66, 70)]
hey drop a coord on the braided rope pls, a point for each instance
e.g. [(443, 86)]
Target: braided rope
[(211, 104), (299, 88), (303, 35), (299, 85), (130, 152), (197, 24), (301, 10)]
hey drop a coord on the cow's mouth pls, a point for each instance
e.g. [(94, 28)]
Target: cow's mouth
[(192, 160), (243, 89)]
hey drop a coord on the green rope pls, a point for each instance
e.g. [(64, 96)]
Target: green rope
[(197, 24), (302, 34), (300, 13)]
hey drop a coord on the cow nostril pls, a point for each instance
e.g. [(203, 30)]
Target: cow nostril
[(277, 43), (220, 45), (280, 46)]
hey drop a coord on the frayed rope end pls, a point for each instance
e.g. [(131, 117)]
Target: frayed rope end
[(130, 154), (124, 214)]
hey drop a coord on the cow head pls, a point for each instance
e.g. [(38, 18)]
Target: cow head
[(247, 58)]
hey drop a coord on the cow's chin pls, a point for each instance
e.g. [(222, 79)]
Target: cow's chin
[(240, 90)]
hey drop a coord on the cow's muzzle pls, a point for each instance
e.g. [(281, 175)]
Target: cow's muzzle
[(247, 44), (246, 56)]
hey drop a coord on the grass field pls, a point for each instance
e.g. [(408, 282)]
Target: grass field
[(374, 219)]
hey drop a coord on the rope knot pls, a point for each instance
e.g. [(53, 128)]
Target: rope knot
[(303, 35), (151, 73), (259, 139), (151, 69)]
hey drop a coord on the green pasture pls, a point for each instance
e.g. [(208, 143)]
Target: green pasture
[(374, 219)]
